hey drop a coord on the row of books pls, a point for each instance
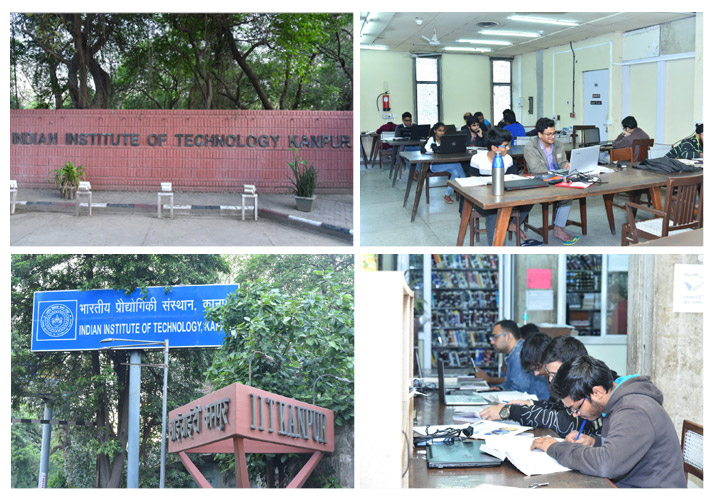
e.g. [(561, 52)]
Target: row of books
[(465, 279), (483, 358), (465, 261), (464, 319), (466, 299), (577, 262), (583, 281), (460, 338), (586, 301)]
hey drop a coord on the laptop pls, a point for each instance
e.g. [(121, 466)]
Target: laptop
[(456, 143), (459, 454), (524, 184), (403, 132), (584, 160), (456, 399), (592, 137), (419, 131)]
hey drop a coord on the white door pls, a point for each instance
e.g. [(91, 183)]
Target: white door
[(595, 100)]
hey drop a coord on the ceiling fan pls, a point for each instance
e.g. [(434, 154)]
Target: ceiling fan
[(432, 41)]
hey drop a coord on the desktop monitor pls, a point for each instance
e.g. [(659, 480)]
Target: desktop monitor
[(590, 136)]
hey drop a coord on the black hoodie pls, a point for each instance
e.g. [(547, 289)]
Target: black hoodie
[(639, 447)]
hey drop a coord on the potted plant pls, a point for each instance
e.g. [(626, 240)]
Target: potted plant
[(304, 182), (67, 179)]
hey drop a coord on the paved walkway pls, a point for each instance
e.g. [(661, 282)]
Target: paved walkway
[(200, 219)]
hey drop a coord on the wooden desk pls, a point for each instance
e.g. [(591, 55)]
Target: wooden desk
[(397, 144), (429, 411), (425, 160), (617, 182)]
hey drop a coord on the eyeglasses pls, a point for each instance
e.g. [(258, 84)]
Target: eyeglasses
[(547, 373), (573, 411), (492, 337), (503, 146), (548, 134)]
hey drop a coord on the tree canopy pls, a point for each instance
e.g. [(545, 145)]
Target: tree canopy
[(182, 61)]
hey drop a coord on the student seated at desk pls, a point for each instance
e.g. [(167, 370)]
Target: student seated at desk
[(506, 338), (510, 123), (690, 147), (432, 146), (484, 122), (475, 134), (546, 413), (465, 117), (631, 132), (638, 446), (542, 154), (497, 139), (404, 130)]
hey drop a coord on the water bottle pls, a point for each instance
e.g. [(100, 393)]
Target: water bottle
[(525, 316), (497, 175)]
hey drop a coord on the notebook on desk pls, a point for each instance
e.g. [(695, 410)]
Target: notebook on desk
[(455, 399), (456, 143), (459, 454)]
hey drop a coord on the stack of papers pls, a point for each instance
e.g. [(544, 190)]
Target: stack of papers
[(517, 449)]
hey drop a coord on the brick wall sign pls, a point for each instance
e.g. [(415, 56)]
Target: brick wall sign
[(268, 422), (136, 150)]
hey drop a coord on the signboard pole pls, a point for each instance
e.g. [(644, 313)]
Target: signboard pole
[(46, 440), (134, 418), (164, 417)]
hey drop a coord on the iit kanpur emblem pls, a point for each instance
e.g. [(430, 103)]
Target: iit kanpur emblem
[(57, 320)]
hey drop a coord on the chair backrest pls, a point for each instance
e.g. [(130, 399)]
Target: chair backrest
[(622, 154), (13, 184), (683, 203), (640, 149), (692, 448), (576, 136)]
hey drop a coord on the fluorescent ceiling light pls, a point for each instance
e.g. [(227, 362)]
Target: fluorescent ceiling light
[(526, 34), (485, 42), (373, 47), (467, 49), (542, 20)]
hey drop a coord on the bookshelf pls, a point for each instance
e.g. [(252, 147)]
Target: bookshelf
[(583, 293), (465, 306)]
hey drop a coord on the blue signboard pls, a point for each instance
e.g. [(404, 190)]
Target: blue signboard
[(71, 320)]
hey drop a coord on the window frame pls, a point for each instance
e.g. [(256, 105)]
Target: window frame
[(416, 82)]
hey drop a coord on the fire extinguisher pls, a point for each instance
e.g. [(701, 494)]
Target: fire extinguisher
[(385, 100)]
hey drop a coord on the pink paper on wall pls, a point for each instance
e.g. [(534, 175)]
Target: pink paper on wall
[(538, 278)]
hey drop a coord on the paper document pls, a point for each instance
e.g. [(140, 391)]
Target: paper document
[(517, 449), (485, 180), (497, 397)]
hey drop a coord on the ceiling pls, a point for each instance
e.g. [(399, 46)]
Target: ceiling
[(399, 32)]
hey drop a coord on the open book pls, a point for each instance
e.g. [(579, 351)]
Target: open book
[(517, 450)]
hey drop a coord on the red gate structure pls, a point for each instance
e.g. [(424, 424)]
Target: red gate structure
[(240, 419)]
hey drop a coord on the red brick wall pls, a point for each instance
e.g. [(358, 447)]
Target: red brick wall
[(141, 167)]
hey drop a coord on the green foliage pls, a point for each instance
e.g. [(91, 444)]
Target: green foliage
[(304, 181), (67, 177), (308, 334), (182, 61)]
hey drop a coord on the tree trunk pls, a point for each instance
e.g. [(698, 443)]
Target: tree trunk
[(242, 62)]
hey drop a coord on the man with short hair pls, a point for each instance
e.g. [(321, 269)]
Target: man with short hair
[(506, 338), (631, 132), (475, 136), (465, 117), (404, 129), (551, 413), (511, 124), (690, 147), (484, 122), (544, 153), (638, 446)]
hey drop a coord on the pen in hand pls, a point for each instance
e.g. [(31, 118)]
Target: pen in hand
[(581, 429)]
